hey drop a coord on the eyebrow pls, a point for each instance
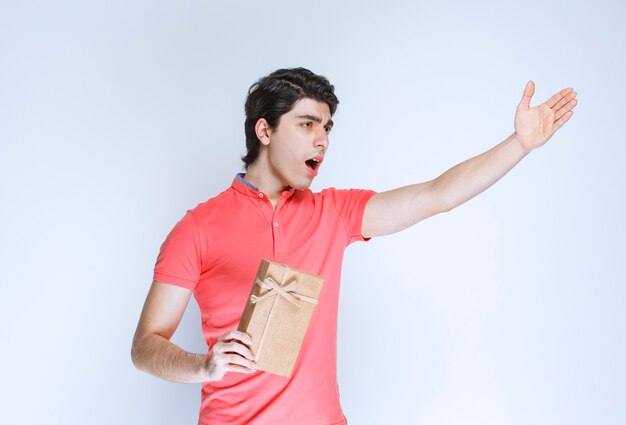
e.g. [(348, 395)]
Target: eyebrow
[(316, 119)]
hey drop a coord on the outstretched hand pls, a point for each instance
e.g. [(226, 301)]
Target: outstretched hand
[(534, 126)]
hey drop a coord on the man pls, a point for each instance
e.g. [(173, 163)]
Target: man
[(269, 212)]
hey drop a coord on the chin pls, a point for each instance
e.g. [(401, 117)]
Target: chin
[(301, 185)]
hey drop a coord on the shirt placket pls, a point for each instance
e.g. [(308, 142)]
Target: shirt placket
[(273, 217)]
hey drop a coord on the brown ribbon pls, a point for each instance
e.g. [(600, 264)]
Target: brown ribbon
[(286, 292)]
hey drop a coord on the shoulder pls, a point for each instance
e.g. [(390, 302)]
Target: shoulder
[(343, 200), (212, 205), (340, 195)]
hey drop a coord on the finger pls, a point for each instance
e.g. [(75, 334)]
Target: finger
[(237, 335), (235, 347), (562, 121), (240, 361), (222, 362), (529, 91), (557, 97), (241, 369), (565, 109), (223, 359), (237, 360), (564, 100)]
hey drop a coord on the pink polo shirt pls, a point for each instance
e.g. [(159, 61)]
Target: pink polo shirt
[(215, 250)]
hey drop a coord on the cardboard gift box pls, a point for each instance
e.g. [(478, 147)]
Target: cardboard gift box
[(277, 315)]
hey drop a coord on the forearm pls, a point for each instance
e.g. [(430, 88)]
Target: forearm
[(469, 178), (162, 358)]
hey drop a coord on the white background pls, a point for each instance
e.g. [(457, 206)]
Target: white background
[(116, 117)]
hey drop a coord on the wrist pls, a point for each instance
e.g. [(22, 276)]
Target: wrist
[(520, 144), (204, 367)]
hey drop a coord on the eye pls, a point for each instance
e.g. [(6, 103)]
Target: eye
[(328, 128), (307, 124)]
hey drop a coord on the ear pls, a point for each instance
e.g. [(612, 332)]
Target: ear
[(263, 131)]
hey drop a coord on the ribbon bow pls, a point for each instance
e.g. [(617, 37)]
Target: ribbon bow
[(275, 288)]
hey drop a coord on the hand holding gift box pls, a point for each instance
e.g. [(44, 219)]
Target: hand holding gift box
[(277, 314)]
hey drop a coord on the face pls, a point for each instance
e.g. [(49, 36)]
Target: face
[(296, 147)]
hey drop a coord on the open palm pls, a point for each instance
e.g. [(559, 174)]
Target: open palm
[(534, 126)]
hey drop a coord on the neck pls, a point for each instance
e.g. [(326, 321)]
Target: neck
[(265, 181)]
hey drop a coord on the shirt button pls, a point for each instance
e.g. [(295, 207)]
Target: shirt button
[(260, 195), (275, 224)]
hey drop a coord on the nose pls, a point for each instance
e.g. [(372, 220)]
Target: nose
[(321, 141)]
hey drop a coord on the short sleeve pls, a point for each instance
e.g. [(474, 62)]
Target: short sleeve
[(350, 205), (180, 258)]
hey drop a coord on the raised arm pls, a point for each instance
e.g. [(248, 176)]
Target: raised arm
[(152, 351), (395, 210)]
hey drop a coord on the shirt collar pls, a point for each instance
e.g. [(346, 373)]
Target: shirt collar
[(244, 186), (240, 178)]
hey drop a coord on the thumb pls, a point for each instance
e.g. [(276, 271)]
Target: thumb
[(529, 91)]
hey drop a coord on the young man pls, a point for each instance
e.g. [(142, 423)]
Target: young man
[(213, 252)]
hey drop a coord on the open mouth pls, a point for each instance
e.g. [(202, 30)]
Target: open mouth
[(313, 163)]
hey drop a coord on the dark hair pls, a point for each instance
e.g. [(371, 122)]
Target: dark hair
[(275, 94)]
